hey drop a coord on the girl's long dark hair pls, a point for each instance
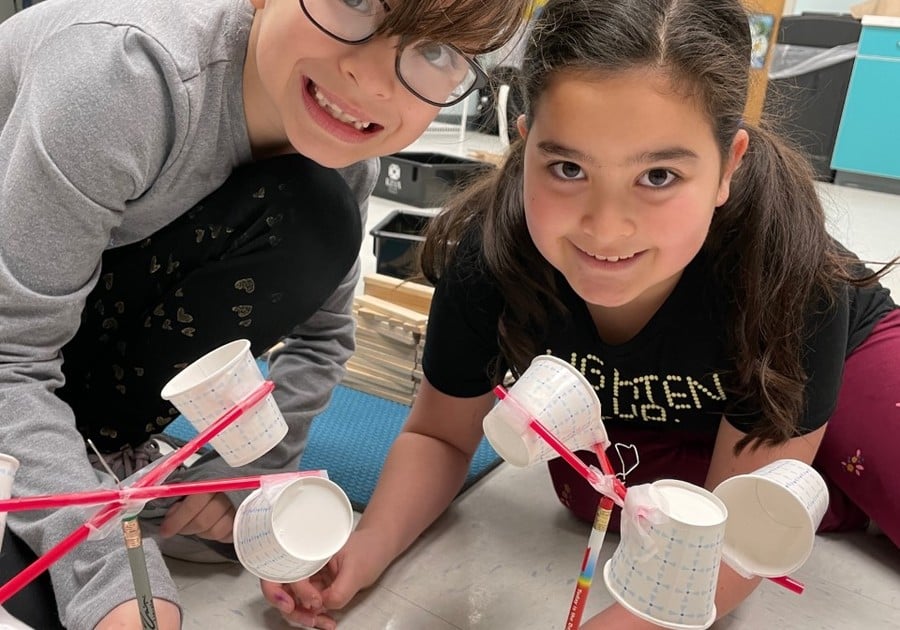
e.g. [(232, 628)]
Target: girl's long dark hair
[(769, 243)]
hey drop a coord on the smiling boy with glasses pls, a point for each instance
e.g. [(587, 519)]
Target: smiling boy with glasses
[(176, 174)]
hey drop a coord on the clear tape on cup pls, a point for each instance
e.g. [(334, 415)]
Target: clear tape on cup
[(286, 532), (214, 383), (665, 569), (556, 394), (9, 465), (775, 512)]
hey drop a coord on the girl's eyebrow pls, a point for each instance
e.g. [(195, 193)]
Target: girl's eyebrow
[(555, 149), (663, 155)]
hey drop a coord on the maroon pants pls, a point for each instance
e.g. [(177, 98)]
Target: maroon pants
[(857, 458)]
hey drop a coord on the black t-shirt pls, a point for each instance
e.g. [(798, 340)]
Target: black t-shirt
[(671, 376)]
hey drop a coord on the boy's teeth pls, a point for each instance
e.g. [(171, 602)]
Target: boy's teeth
[(337, 113)]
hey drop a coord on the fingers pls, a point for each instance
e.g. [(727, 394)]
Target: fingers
[(206, 515), (342, 588), (288, 599), (308, 619), (307, 595), (277, 595)]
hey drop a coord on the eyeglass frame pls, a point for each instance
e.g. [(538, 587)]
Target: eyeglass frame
[(481, 78)]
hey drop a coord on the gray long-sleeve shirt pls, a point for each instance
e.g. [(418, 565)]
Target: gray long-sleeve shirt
[(118, 116)]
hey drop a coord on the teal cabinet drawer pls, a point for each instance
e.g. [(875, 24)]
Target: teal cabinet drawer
[(880, 41), (868, 139)]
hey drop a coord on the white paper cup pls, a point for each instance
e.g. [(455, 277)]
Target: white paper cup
[(8, 467), (775, 512), (559, 396), (669, 577), (288, 532), (206, 389)]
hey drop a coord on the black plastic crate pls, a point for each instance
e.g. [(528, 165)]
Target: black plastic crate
[(424, 180), (396, 241)]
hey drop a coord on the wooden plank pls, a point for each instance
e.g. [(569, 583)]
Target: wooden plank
[(405, 293), (395, 311)]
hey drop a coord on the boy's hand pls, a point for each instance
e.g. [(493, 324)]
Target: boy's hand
[(125, 616), (209, 515)]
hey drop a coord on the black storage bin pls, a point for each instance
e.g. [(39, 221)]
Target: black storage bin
[(396, 241), (806, 108), (424, 180)]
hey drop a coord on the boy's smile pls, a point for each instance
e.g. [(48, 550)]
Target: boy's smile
[(339, 118)]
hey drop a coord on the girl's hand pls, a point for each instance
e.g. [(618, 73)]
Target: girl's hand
[(352, 569), (126, 616)]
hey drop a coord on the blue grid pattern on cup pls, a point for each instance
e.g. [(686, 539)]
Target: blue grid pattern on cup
[(805, 486), (664, 590), (573, 400)]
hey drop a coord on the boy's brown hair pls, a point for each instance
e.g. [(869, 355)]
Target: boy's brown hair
[(474, 26)]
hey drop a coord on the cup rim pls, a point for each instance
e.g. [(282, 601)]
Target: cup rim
[(175, 388), (11, 460), (491, 433), (321, 562), (678, 483), (314, 480)]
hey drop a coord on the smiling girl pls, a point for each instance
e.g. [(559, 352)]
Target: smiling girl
[(168, 183), (674, 254)]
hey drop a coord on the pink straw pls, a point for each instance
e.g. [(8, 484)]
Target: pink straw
[(110, 512), (96, 497), (562, 450)]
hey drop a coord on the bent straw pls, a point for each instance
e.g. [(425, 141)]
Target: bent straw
[(98, 497), (109, 512)]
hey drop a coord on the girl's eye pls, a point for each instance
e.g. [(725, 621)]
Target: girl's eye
[(657, 178), (567, 170)]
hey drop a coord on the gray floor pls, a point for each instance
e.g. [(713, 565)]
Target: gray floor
[(505, 555)]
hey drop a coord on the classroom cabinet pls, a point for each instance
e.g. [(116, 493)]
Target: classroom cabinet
[(867, 148)]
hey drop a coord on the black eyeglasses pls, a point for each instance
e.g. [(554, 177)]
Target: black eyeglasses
[(439, 74)]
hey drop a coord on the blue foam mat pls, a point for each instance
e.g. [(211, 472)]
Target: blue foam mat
[(351, 439)]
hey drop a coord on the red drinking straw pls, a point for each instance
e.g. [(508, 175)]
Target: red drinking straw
[(153, 477), (561, 449), (97, 497)]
